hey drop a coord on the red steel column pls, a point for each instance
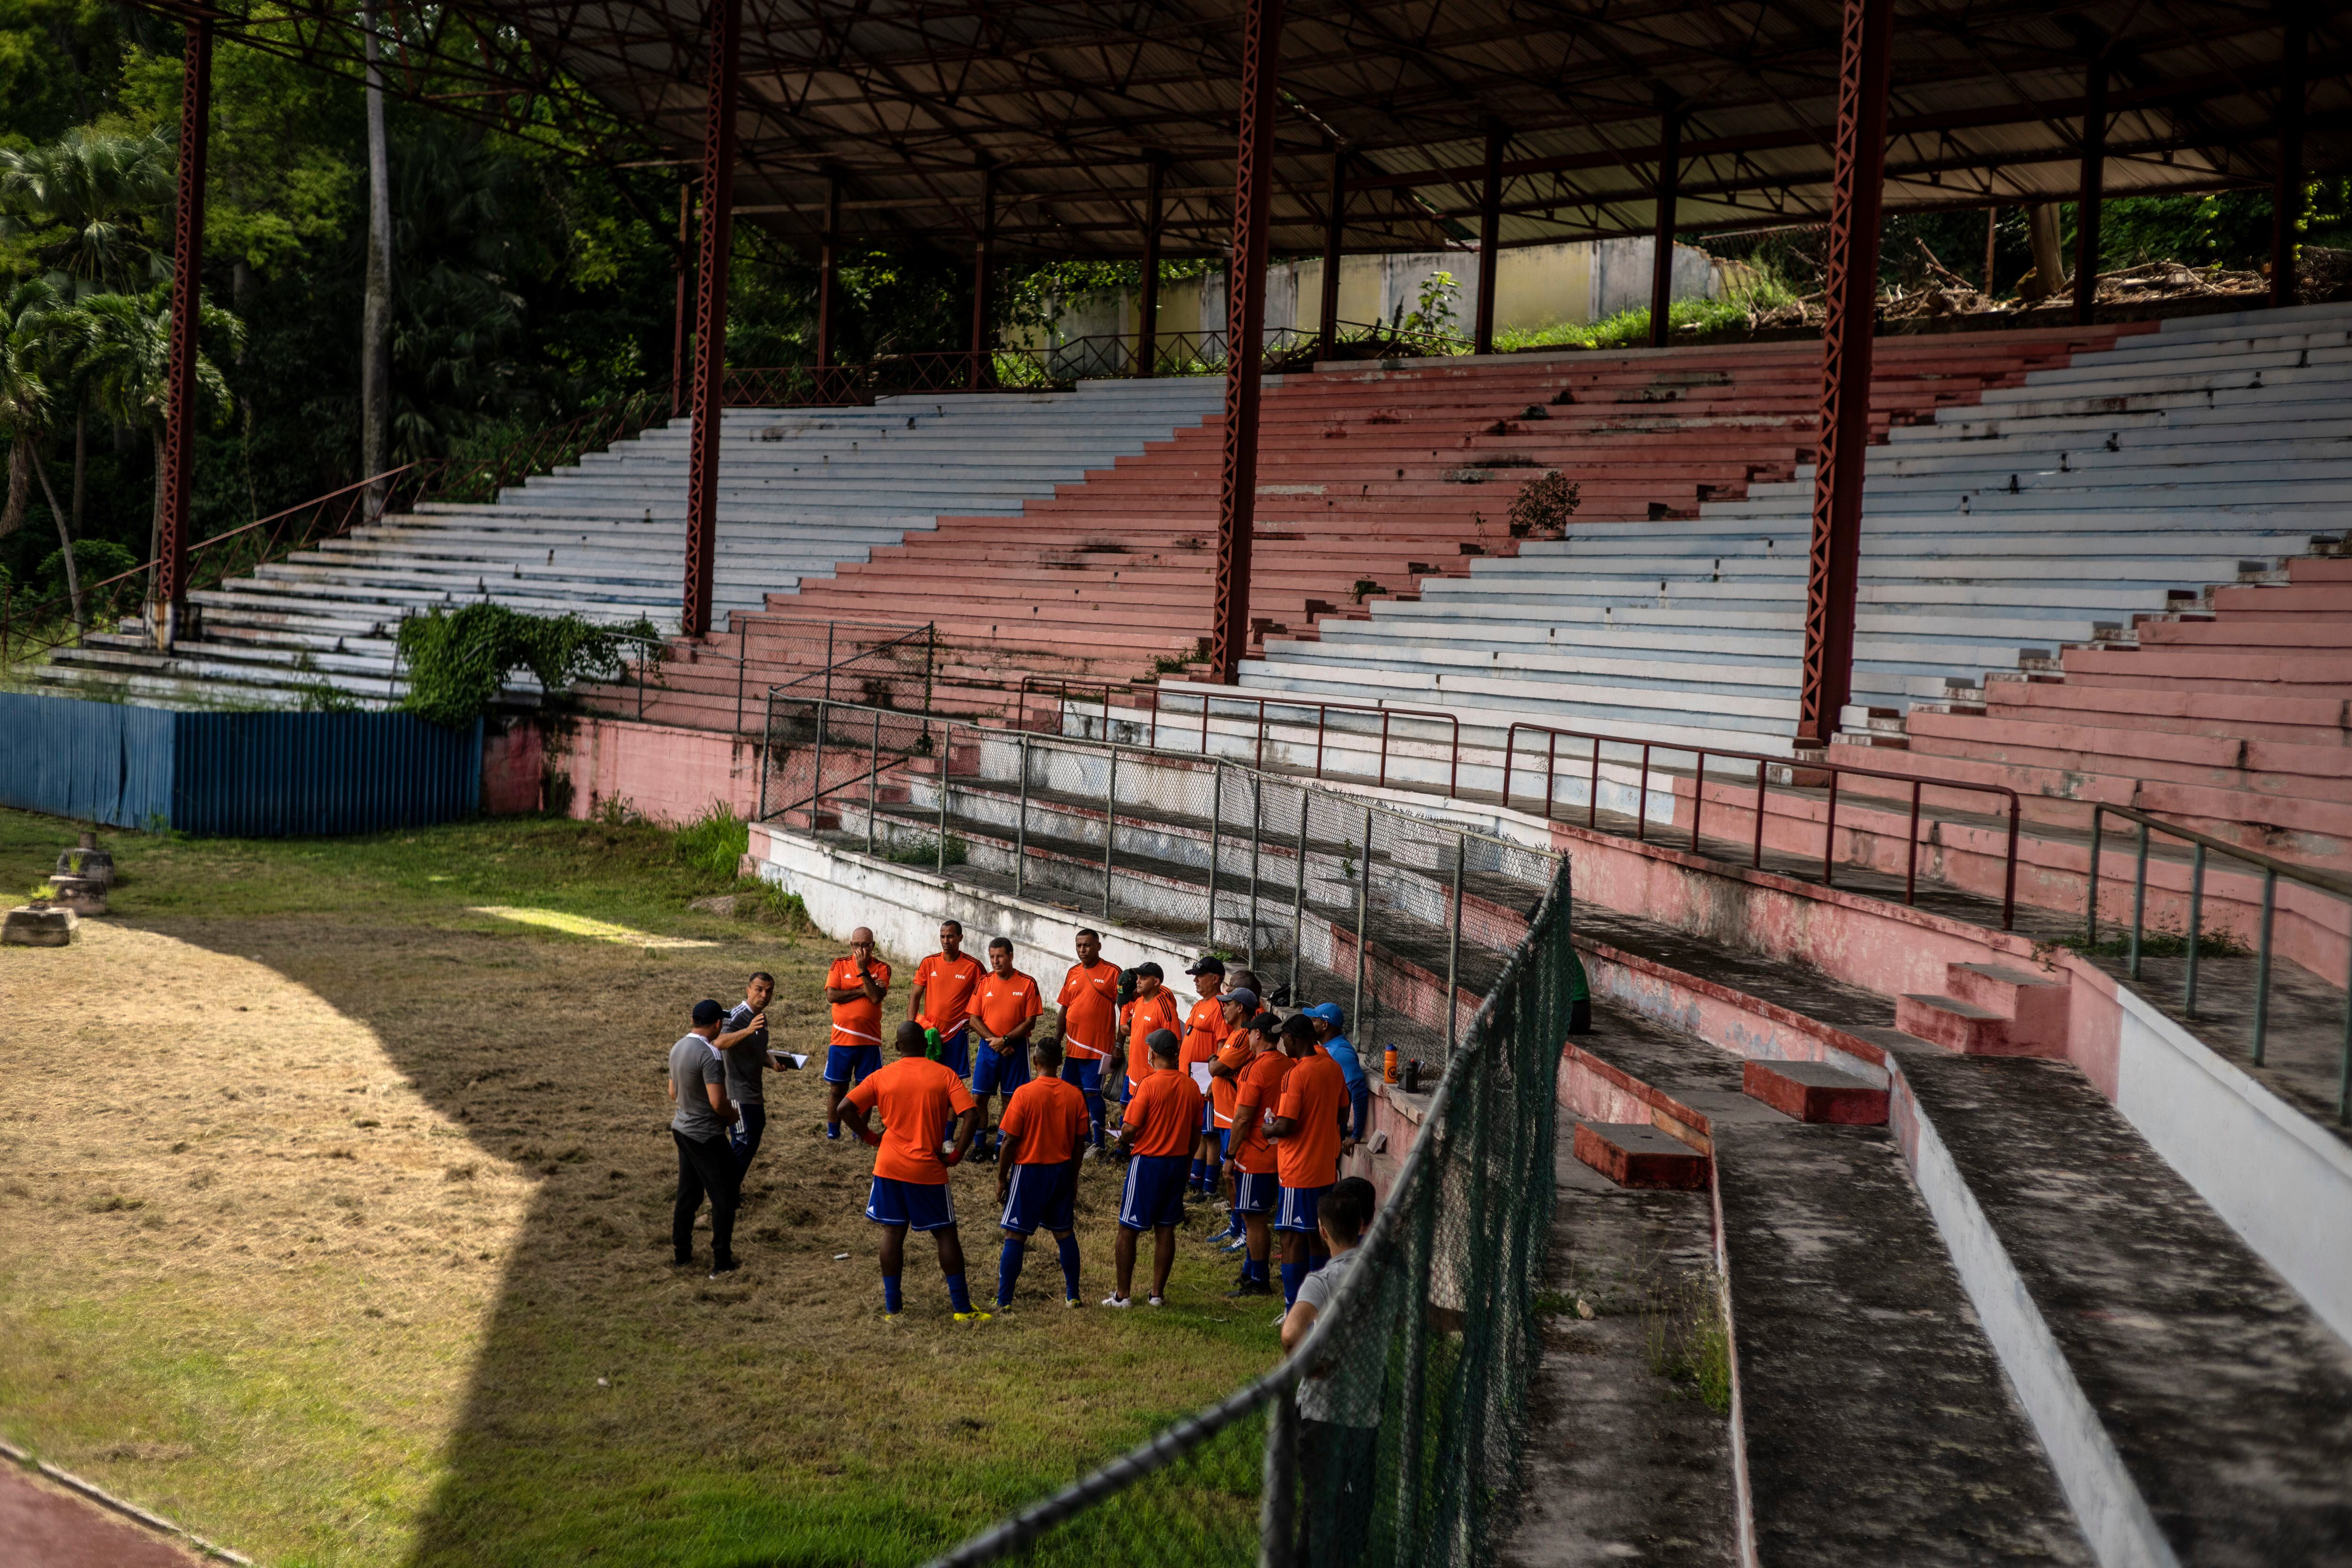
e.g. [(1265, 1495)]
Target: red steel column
[(1490, 241), (1244, 325), (1147, 307), (827, 259), (710, 315), (983, 275), (2086, 207), (1662, 246), (1335, 228), (684, 277), (1851, 293), (187, 297), (2286, 211)]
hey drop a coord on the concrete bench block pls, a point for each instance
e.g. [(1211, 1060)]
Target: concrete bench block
[(1815, 1092), (1636, 1154), (39, 925)]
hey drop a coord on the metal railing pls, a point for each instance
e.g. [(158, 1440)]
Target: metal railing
[(894, 663), (1382, 907), (1764, 765), (1154, 702), (1391, 1436), (2194, 934)]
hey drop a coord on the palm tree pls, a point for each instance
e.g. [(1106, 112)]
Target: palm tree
[(126, 360), (40, 338), (83, 201)]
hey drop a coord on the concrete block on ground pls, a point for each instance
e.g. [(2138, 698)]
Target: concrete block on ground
[(1636, 1154), (1815, 1092)]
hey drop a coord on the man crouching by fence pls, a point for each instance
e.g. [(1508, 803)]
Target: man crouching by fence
[(1339, 1401)]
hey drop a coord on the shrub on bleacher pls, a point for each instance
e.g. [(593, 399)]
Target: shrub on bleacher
[(1543, 506)]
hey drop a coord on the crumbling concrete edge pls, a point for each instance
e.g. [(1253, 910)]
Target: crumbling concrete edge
[(130, 1510), (2115, 1517)]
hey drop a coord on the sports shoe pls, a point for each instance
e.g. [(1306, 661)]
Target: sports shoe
[(1249, 1287), (1156, 1301), (1072, 1301), (1118, 1302), (833, 1132), (890, 1317), (975, 1317), (729, 1267), (1238, 1243), (1281, 1317), (1091, 1151)]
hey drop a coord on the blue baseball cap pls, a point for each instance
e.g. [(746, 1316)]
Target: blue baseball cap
[(1326, 1012)]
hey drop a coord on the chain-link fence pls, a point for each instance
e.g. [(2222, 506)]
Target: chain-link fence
[(1404, 920), (1392, 1436)]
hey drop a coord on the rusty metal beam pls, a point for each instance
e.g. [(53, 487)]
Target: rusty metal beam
[(1490, 240), (170, 596), (1244, 323), (1850, 292), (711, 314), (2094, 191), (685, 270), (1146, 306), (2287, 193), (828, 263), (983, 273), (1662, 230), (1334, 229)]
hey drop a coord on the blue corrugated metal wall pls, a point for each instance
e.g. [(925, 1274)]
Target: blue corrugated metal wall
[(268, 775), (99, 761), (260, 775)]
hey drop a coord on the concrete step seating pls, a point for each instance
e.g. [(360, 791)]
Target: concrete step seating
[(2094, 493), (2229, 715), (801, 491), (1375, 481)]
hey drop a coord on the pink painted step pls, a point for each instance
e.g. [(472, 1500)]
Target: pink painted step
[(1636, 1154), (1990, 1010), (1814, 1091)]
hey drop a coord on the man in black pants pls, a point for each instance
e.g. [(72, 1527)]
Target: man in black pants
[(706, 1163), (742, 1044)]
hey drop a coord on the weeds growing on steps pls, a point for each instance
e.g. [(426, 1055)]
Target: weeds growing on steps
[(1684, 1329), (925, 852)]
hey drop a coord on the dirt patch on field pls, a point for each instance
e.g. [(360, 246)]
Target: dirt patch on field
[(349, 1243)]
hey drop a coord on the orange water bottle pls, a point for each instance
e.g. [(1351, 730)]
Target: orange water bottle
[(1388, 1065)]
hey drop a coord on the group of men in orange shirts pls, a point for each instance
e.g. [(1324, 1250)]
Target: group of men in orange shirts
[(1223, 1088)]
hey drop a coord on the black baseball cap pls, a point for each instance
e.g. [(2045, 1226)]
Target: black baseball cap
[(1153, 970), (1265, 1024), (1243, 998), (1162, 1042), (1210, 963), (708, 1012)]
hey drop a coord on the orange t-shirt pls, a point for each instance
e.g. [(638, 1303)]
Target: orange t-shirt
[(1314, 1093), (1165, 1113), (947, 985), (1204, 1031), (1235, 1054), (857, 1023), (1138, 1018), (1049, 1117), (1003, 1005), (919, 1098), (1089, 1004), (1261, 1087)]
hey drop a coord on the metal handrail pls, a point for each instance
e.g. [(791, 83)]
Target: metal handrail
[(1698, 799), (2271, 868), (1323, 711)]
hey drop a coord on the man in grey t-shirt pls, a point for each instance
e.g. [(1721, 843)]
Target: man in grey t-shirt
[(706, 1164), (1338, 1403)]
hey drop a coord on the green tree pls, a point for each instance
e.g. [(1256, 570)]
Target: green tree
[(84, 205), (39, 336), (125, 360)]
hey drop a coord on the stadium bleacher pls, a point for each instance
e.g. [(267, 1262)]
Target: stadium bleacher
[(801, 491), (2052, 512)]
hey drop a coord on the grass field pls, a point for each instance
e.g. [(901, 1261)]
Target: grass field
[(333, 1223)]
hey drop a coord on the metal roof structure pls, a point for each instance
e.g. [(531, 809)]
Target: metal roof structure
[(1056, 110)]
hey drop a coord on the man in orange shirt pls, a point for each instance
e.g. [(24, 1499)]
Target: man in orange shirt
[(941, 1000), (1204, 1031), (1306, 1129), (1239, 1006), (1250, 1163), (1163, 1116), (856, 987), (1153, 1009), (1007, 1007), (919, 1099), (1037, 1179), (1089, 1004)]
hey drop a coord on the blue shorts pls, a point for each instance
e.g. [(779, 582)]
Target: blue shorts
[(1254, 1193), (1298, 1208), (955, 1052), (1224, 1143), (1084, 1071), (1208, 1118), (918, 1205), (993, 1071), (1041, 1197), (1154, 1194), (851, 1064)]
